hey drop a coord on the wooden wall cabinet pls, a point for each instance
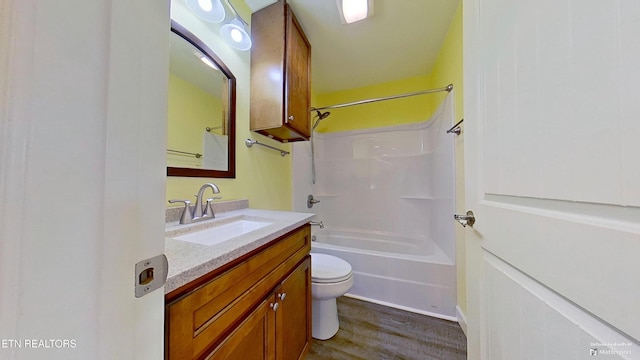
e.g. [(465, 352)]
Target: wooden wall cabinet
[(280, 75), (257, 308)]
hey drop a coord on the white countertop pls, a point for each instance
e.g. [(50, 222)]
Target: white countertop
[(189, 261)]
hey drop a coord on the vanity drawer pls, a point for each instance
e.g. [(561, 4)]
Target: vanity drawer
[(203, 317)]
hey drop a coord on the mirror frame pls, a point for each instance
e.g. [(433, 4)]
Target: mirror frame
[(231, 86)]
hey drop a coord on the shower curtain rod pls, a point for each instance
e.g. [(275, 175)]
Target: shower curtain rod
[(447, 88)]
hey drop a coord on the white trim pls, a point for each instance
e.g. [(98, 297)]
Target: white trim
[(400, 307), (462, 319)]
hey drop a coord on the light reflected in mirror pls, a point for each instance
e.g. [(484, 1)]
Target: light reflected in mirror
[(201, 110)]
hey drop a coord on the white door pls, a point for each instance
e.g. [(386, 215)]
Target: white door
[(82, 141), (552, 139)]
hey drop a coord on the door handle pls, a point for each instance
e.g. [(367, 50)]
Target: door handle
[(464, 220)]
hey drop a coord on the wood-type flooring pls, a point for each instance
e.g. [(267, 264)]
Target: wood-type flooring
[(374, 332)]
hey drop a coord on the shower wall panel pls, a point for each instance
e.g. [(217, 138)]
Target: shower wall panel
[(394, 180)]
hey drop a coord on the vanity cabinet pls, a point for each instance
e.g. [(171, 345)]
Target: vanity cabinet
[(277, 328), (257, 307), (280, 75)]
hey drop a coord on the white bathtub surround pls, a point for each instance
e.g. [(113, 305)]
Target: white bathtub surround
[(423, 284), (387, 201)]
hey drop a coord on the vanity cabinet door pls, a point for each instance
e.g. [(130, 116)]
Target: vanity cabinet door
[(279, 328), (253, 339), (293, 318)]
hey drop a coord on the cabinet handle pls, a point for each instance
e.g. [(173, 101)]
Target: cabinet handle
[(274, 306), (290, 118), (282, 296)]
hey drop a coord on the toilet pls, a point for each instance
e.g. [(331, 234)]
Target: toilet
[(331, 277)]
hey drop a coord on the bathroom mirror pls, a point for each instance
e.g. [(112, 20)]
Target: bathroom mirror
[(201, 110)]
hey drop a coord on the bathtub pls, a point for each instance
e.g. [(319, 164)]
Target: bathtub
[(412, 274)]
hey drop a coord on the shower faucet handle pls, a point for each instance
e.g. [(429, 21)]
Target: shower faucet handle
[(311, 201)]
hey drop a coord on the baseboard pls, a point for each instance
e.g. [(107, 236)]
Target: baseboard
[(462, 320), (405, 308)]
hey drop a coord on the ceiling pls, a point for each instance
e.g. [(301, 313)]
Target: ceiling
[(402, 39)]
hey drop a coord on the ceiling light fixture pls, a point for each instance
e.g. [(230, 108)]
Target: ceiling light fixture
[(234, 33), (208, 10), (354, 10)]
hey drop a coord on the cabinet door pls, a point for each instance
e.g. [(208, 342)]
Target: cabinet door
[(298, 83), (293, 318), (253, 339)]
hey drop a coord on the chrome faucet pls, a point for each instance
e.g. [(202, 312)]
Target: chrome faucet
[(201, 211), (207, 212)]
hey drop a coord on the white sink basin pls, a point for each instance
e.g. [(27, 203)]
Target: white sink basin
[(221, 233)]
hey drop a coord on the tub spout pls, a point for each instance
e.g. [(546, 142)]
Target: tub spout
[(317, 223)]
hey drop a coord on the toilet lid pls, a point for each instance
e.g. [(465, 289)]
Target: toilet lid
[(328, 268)]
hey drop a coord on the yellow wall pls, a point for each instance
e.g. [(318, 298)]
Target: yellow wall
[(399, 111), (448, 68), (262, 175), (191, 110)]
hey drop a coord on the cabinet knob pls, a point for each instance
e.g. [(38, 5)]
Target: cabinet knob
[(290, 118), (282, 296), (274, 306)]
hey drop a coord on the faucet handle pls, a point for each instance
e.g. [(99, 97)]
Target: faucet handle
[(186, 213), (208, 210)]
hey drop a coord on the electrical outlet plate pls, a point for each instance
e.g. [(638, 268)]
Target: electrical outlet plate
[(150, 274)]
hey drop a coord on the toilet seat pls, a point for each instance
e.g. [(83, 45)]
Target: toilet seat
[(329, 269)]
